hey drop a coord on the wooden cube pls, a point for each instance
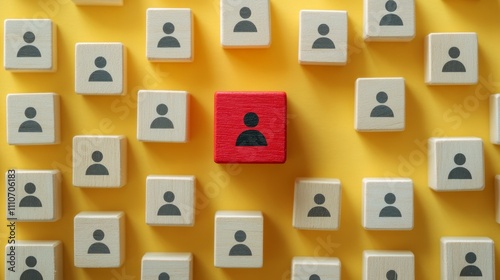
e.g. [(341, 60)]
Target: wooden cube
[(495, 118), (467, 258), (34, 260), (389, 20), (391, 265), (315, 268), (158, 266)]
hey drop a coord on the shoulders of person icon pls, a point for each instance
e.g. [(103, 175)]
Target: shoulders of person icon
[(391, 19), (168, 41), (319, 211), (245, 25), (381, 111), (240, 249), (323, 42), (97, 168), (251, 137), (98, 247), (30, 200), (31, 273), (29, 50), (459, 172), (161, 122), (30, 125), (100, 75), (471, 270), (390, 211), (169, 209), (454, 65)]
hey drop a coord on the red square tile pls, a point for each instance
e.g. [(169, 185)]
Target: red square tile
[(250, 127)]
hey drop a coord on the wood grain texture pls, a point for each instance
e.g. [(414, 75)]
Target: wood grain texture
[(389, 20), (231, 108), (324, 267), (45, 259), (175, 265), (99, 2), (495, 119), (392, 265), (99, 239)]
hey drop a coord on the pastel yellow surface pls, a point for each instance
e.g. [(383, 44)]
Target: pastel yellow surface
[(322, 141)]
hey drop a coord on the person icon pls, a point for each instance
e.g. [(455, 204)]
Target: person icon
[(98, 247), (162, 122), (454, 65), (100, 75), (251, 137), (97, 168), (30, 200), (381, 111), (314, 277), (30, 125), (391, 19), (168, 41), (459, 172), (391, 275), (31, 273), (319, 211), (29, 50), (245, 25), (390, 211), (163, 276), (169, 209), (240, 249), (470, 270), (323, 42)]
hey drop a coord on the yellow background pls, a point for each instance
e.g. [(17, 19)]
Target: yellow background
[(322, 141)]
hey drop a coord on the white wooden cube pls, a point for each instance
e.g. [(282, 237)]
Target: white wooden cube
[(30, 45), (389, 20), (388, 203), (239, 239), (315, 268), (390, 265), (467, 258), (245, 24), (497, 198), (456, 164), (99, 239), (100, 68), (169, 34), (495, 118), (159, 266), (34, 260), (323, 37), (451, 58), (99, 2), (33, 195), (170, 200), (317, 204), (380, 104), (163, 116), (33, 119), (99, 161)]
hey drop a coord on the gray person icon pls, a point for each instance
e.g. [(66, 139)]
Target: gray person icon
[(29, 50), (459, 172), (391, 19), (323, 42), (30, 200), (100, 75), (454, 65), (169, 209), (391, 275), (240, 249), (97, 168), (163, 276), (470, 270), (390, 211), (251, 137), (168, 41), (382, 111), (31, 273), (318, 211), (30, 125), (98, 247), (161, 122), (314, 277), (245, 25)]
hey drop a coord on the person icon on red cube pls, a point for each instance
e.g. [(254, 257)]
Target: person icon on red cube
[(250, 127)]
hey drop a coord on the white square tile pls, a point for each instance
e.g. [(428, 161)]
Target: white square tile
[(391, 265), (389, 20), (158, 266), (34, 260), (315, 268), (162, 116), (380, 104), (317, 204), (456, 164), (495, 118), (497, 198), (30, 45), (33, 119)]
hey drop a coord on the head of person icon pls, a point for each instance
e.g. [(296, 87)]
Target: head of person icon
[(30, 125), (97, 168), (98, 247), (382, 111), (161, 122), (30, 200), (391, 19), (391, 275), (319, 211), (251, 137), (314, 277), (245, 25), (169, 209), (31, 273), (390, 211), (454, 65), (459, 172), (471, 269), (168, 41), (163, 276), (323, 42), (29, 50), (100, 75), (240, 249)]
